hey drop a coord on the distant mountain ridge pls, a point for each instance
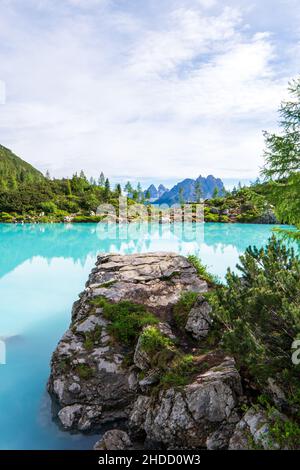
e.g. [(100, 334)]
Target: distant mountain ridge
[(155, 193), (14, 170), (190, 190)]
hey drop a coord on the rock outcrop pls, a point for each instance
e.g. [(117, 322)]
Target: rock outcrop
[(253, 431), (91, 380), (191, 417), (114, 440), (128, 360), (199, 319)]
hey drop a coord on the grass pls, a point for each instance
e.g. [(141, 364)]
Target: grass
[(107, 284), (202, 271), (152, 340), (84, 371), (183, 307), (92, 338), (127, 319), (179, 375)]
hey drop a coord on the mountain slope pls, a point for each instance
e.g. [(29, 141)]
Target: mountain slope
[(14, 170), (186, 190)]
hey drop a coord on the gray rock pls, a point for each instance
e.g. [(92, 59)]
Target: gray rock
[(185, 418), (199, 319), (89, 324), (214, 210), (268, 217), (252, 431), (69, 415), (155, 280), (79, 417), (114, 440)]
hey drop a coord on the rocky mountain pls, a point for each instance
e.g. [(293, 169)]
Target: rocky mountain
[(155, 193), (189, 190), (14, 170)]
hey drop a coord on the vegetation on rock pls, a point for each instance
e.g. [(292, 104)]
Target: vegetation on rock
[(127, 319)]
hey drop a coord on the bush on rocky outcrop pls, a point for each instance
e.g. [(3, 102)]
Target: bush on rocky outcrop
[(259, 313), (127, 318)]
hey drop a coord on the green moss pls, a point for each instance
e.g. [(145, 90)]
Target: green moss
[(183, 307), (107, 284), (84, 371), (64, 365), (202, 270), (127, 319)]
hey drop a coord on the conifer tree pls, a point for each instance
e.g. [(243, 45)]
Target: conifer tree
[(282, 159)]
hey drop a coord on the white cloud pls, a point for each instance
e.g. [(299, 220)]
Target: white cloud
[(93, 86)]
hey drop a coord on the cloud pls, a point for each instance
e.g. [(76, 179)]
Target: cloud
[(103, 85)]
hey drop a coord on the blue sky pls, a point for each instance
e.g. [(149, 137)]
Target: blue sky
[(148, 90)]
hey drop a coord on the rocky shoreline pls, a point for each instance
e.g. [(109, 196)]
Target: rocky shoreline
[(137, 357)]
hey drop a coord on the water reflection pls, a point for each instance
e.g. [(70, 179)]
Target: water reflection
[(19, 243)]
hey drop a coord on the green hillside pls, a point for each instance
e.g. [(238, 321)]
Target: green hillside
[(13, 170)]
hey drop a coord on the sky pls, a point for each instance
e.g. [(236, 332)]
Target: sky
[(152, 90)]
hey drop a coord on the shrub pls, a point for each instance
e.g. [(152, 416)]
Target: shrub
[(92, 338), (202, 270), (152, 340), (260, 313), (127, 319), (48, 207), (4, 217), (84, 371), (180, 372), (183, 307)]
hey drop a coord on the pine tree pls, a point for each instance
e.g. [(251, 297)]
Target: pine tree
[(106, 190), (82, 175), (101, 180), (181, 196), (128, 188), (118, 190), (282, 159), (198, 191), (48, 177), (216, 192)]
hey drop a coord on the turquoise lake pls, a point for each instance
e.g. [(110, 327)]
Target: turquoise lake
[(43, 268)]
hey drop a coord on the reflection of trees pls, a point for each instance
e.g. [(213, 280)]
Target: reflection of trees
[(77, 241)]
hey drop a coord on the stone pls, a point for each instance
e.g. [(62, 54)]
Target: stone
[(114, 440), (252, 431), (214, 210), (103, 380), (69, 415), (199, 319), (89, 324), (184, 418)]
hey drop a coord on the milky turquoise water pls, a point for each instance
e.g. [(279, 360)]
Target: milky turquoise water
[(42, 270)]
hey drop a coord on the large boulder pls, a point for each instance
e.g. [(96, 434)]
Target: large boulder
[(188, 417), (91, 381)]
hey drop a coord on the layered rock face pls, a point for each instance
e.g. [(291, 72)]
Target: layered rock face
[(156, 380)]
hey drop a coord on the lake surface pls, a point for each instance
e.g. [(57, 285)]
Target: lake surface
[(43, 268)]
